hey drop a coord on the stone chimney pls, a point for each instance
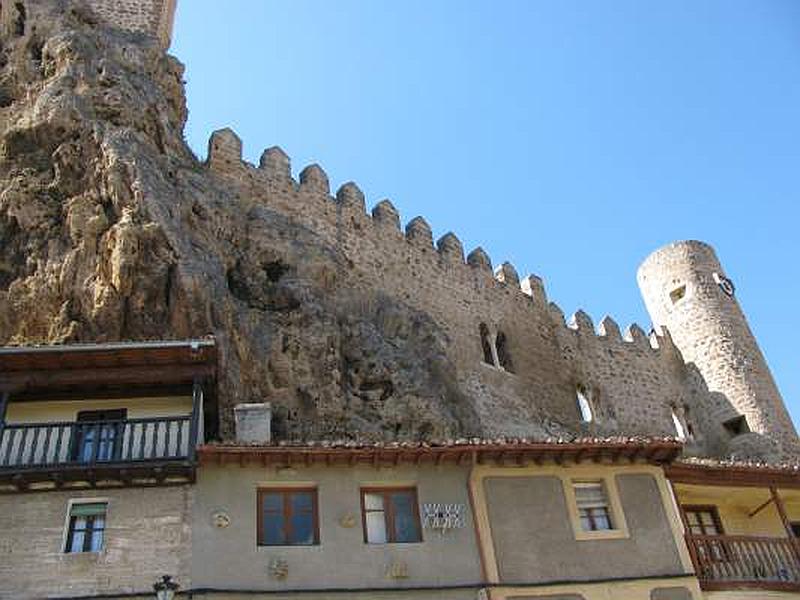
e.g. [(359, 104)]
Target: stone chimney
[(253, 422)]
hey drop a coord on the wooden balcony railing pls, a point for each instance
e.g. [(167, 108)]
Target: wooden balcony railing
[(35, 446), (730, 562)]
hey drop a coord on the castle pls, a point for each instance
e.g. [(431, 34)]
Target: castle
[(376, 415)]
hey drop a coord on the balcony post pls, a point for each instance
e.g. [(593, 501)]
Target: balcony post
[(776, 497), (4, 396), (194, 423)]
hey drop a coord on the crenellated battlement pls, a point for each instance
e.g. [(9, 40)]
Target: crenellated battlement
[(516, 354), (346, 212)]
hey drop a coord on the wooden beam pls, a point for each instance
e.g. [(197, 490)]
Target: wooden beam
[(759, 508), (63, 378), (785, 520), (4, 396), (733, 476), (781, 511), (194, 424)]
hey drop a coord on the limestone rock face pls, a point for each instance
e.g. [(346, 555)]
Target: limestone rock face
[(350, 325), (111, 229)]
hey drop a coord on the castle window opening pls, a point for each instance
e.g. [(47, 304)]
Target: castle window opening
[(584, 405), (486, 344), (688, 423), (677, 294), (736, 426), (19, 22), (680, 430), (503, 355), (495, 349)]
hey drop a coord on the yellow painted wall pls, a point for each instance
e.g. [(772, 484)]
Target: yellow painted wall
[(623, 590), (66, 411), (734, 506), (566, 473), (750, 595)]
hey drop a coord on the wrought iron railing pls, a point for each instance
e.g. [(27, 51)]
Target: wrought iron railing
[(46, 445), (744, 561)]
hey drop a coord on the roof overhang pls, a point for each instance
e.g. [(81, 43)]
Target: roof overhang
[(734, 475), (112, 369), (469, 453)]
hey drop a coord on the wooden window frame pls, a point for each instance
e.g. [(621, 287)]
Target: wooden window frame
[(94, 425), (388, 512), (614, 504), (795, 526), (720, 552), (590, 512), (69, 533), (697, 508), (285, 493)]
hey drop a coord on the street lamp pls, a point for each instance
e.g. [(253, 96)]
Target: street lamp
[(165, 588)]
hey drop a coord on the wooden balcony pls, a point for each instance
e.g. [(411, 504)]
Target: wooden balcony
[(106, 449), (727, 562), (98, 453)]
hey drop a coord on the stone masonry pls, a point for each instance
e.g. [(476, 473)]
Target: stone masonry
[(634, 381), (148, 534), (348, 324), (686, 290), (152, 17)]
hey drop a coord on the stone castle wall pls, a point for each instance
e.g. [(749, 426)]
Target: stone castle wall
[(634, 381), (155, 17), (684, 287)]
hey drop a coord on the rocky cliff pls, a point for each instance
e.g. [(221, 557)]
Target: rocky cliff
[(111, 229)]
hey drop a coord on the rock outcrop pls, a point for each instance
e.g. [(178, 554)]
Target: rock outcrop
[(111, 229)]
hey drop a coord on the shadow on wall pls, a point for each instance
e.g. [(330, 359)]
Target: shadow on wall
[(723, 430)]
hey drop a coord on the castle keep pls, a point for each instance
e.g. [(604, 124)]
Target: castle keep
[(226, 380)]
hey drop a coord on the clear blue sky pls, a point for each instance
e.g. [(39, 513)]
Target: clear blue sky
[(569, 137)]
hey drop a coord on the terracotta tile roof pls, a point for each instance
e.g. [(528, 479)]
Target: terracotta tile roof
[(734, 473), (702, 461), (517, 451), (509, 442)]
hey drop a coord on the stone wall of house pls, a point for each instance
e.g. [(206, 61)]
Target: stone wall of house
[(148, 534)]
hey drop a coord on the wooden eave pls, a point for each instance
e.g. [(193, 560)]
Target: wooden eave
[(98, 475), (84, 370), (458, 455), (733, 475)]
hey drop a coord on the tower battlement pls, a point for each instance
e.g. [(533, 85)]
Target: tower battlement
[(630, 374), (639, 382)]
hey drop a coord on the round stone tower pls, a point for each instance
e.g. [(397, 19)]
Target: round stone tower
[(686, 290)]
